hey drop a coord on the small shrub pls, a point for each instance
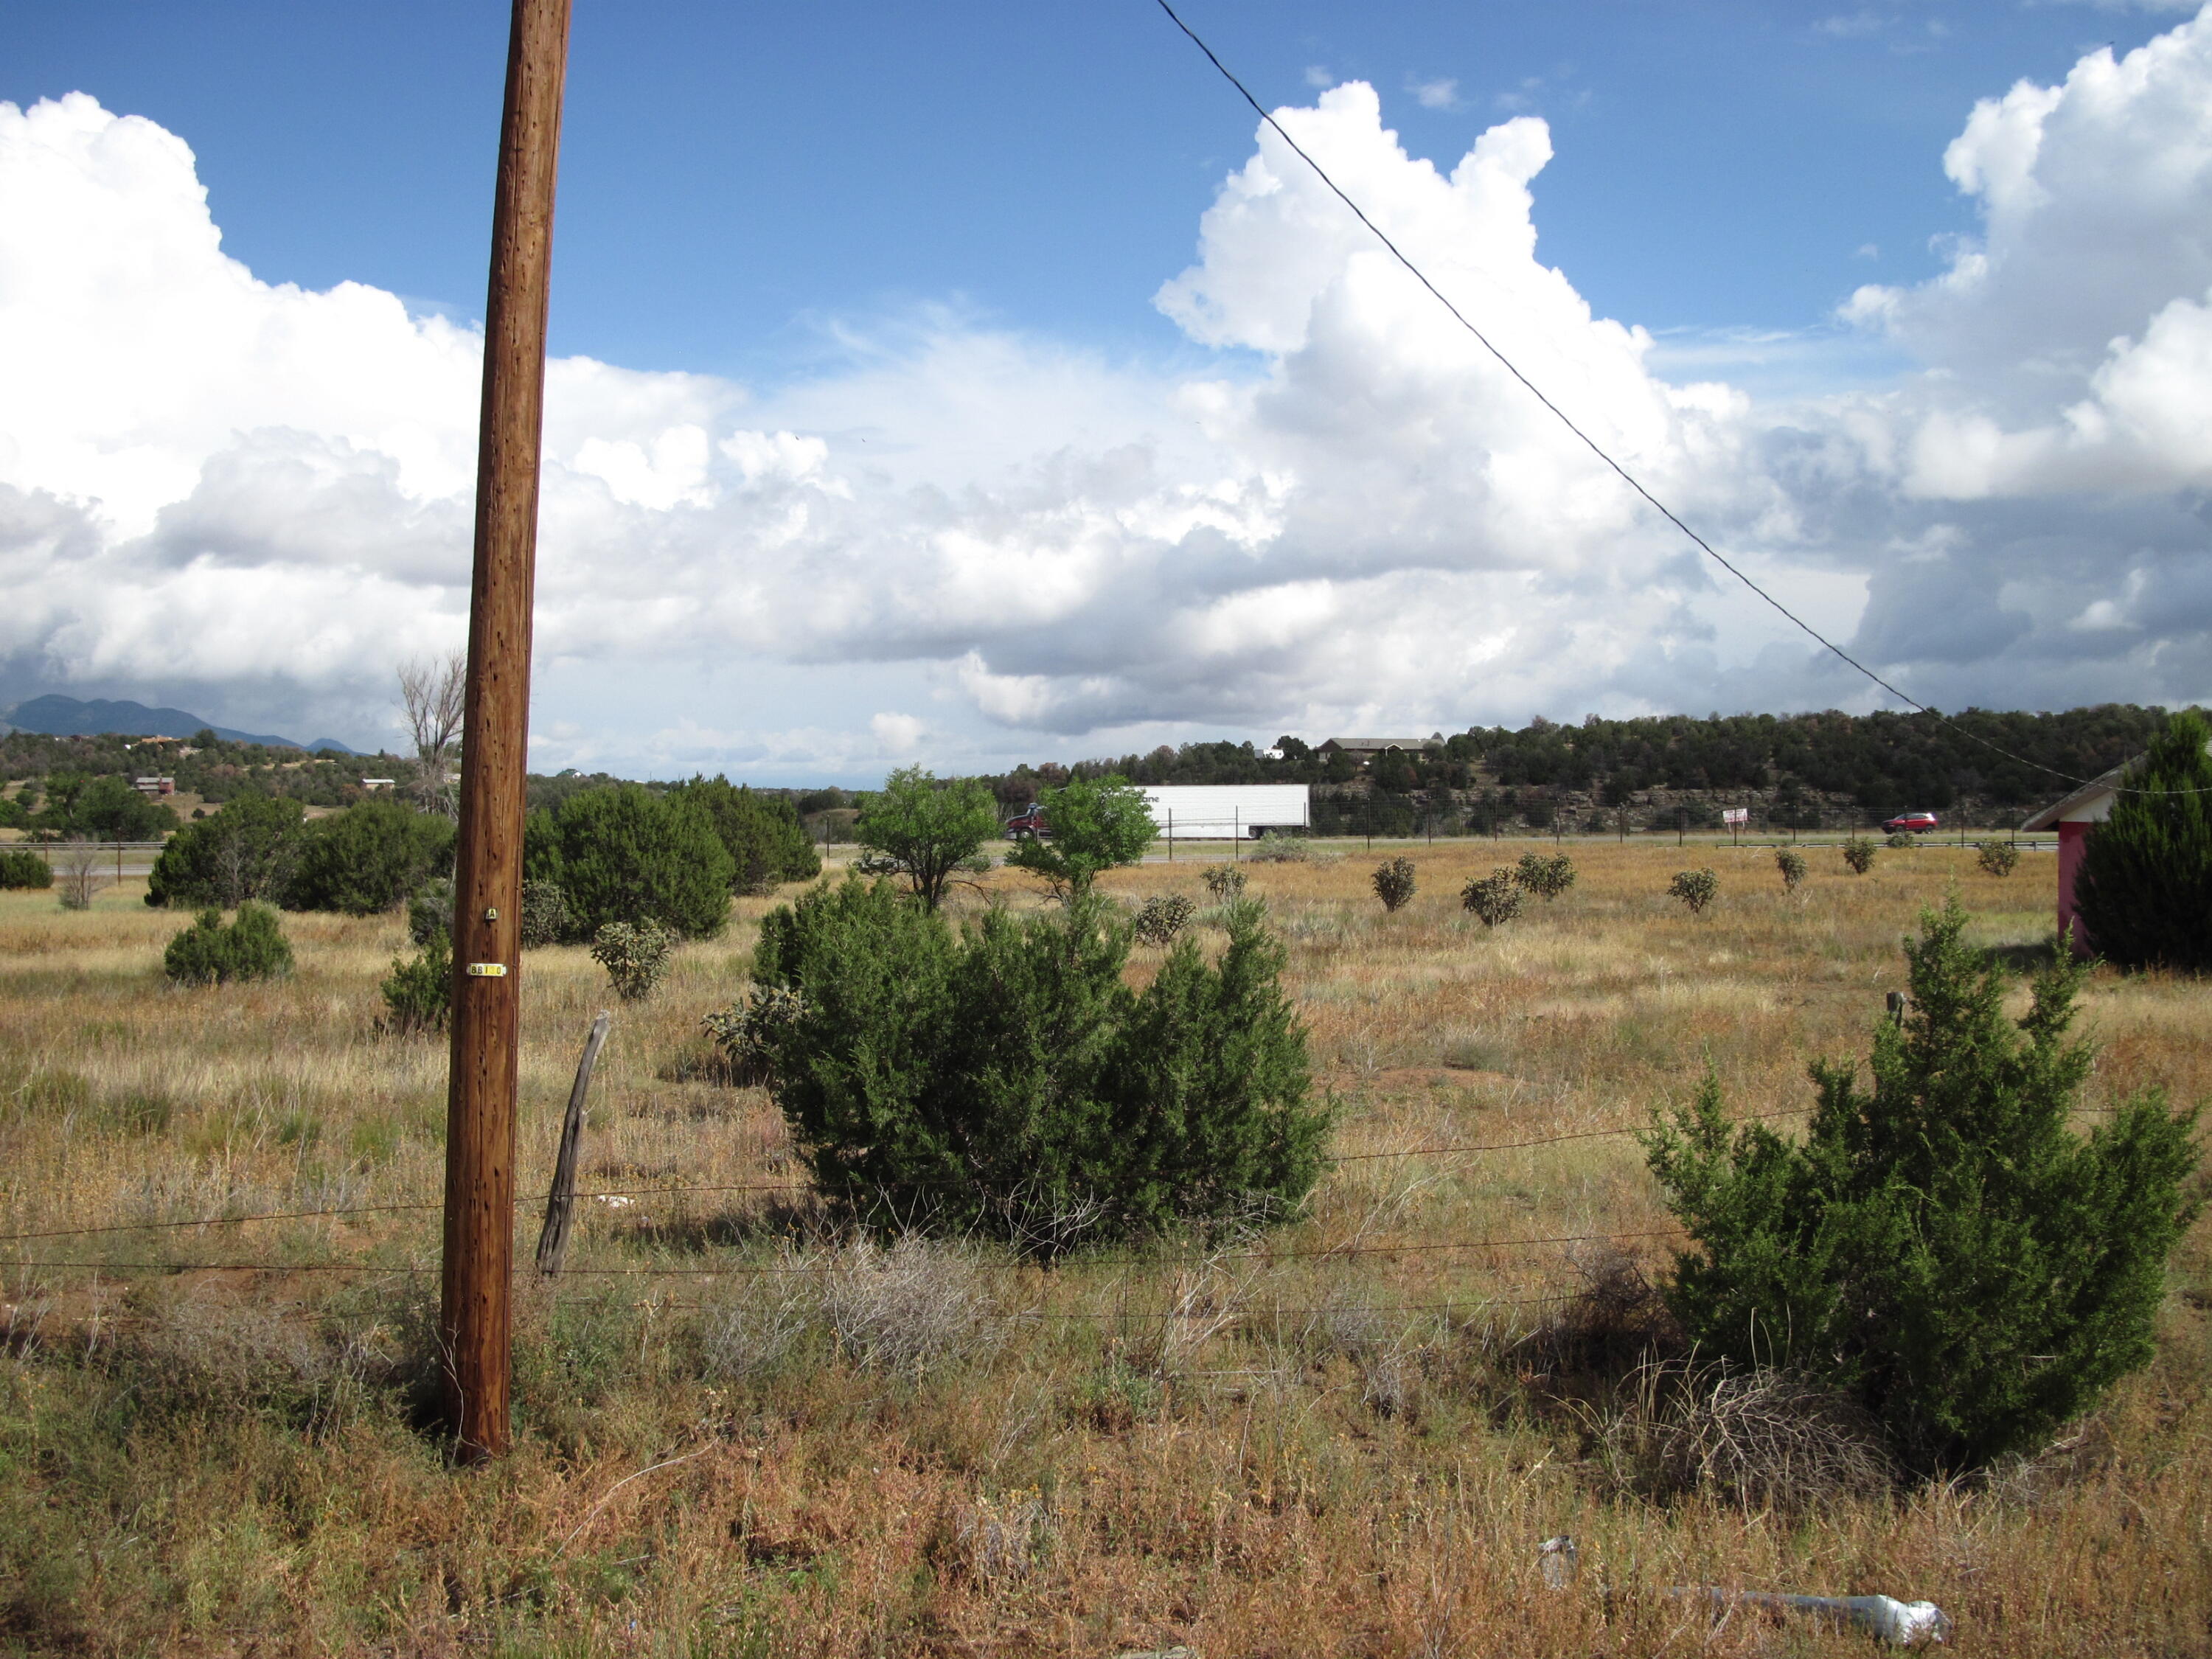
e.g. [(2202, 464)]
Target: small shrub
[(636, 956), (747, 1033), (1996, 858), (419, 995), (909, 1308), (1003, 1079), (1695, 887), (1276, 847), (1496, 897), (1899, 838), (1162, 918), (1858, 854), (1545, 875), (1762, 1439), (1226, 883), (1393, 883), (25, 870), (1791, 863), (430, 912), (544, 915), (1941, 1246), (209, 953), (201, 1355), (756, 1330)]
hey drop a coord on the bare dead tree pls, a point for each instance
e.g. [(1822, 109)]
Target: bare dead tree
[(433, 695), (77, 873)]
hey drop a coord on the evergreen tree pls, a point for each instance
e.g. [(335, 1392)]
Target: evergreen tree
[(1005, 1079), (245, 851), (368, 858), (765, 839), (627, 854), (2144, 888), (1942, 1245)]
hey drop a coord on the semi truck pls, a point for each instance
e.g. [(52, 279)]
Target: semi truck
[(1229, 812), (1185, 812)]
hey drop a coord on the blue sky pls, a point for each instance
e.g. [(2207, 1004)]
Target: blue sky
[(734, 178), (940, 234)]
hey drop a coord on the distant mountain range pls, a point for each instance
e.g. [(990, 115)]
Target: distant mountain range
[(72, 717)]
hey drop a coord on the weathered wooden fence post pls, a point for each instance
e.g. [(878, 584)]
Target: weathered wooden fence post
[(561, 1201)]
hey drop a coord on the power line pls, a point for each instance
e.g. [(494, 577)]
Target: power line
[(1599, 450)]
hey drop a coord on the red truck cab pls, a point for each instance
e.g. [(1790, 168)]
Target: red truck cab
[(1028, 824)]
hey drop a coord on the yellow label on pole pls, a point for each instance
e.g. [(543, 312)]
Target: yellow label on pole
[(487, 971)]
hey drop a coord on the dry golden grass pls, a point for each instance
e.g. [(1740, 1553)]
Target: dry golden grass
[(1332, 1440)]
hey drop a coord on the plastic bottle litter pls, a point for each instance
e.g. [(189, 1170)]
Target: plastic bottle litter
[(1902, 1624), (1905, 1623)]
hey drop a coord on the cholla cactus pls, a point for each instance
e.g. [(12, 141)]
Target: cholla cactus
[(746, 1032), (1695, 887), (1393, 883), (635, 956), (1226, 883), (544, 914), (1162, 918), (1495, 897)]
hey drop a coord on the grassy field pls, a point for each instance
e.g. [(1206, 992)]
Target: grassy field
[(738, 1435)]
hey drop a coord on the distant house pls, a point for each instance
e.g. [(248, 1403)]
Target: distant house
[(154, 788), (2074, 817), (376, 783), (1363, 749)]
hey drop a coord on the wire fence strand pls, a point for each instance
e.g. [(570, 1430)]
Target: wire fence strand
[(685, 1189)]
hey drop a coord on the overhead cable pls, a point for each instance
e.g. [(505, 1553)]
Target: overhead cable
[(1599, 450)]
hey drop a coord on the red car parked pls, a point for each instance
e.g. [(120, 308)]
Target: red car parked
[(1917, 824)]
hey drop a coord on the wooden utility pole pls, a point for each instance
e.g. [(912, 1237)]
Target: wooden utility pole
[(473, 1316)]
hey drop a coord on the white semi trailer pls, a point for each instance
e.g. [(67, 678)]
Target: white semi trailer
[(1229, 811)]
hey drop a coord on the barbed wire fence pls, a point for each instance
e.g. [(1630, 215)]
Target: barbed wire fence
[(1258, 1256)]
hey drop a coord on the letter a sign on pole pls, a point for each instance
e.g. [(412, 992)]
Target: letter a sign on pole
[(473, 1306)]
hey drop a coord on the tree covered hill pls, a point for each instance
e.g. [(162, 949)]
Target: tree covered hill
[(1993, 762)]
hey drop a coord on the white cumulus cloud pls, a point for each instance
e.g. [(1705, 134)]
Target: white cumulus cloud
[(1357, 517)]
